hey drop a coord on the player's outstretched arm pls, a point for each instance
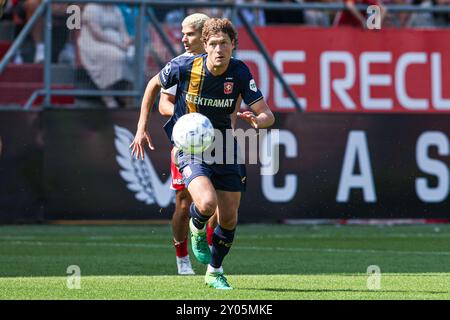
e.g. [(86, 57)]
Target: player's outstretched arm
[(264, 118), (166, 104), (142, 136)]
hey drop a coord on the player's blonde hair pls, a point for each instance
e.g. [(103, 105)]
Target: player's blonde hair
[(195, 20)]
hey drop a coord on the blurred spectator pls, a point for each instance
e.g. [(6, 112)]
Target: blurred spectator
[(67, 54), (130, 15), (254, 17), (284, 16), (105, 47), (62, 48), (430, 19), (3, 7), (320, 18), (22, 11), (353, 17), (175, 16), (211, 11), (396, 19)]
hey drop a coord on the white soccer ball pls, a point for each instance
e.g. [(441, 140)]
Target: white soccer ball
[(193, 133)]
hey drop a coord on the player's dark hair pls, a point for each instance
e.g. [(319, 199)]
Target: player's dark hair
[(215, 25)]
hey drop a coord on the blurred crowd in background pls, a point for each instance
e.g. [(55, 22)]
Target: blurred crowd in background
[(19, 11), (107, 36)]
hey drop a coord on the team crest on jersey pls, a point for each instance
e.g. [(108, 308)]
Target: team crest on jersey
[(228, 87)]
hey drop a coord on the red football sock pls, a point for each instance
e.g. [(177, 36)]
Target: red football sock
[(181, 248), (209, 234)]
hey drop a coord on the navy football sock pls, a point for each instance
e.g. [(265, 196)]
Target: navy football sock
[(222, 241), (198, 219)]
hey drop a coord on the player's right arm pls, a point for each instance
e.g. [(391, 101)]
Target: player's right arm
[(142, 136), (166, 78), (166, 104)]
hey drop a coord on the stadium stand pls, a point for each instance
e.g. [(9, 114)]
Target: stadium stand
[(19, 81)]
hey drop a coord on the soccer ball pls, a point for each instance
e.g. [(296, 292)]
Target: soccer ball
[(193, 133)]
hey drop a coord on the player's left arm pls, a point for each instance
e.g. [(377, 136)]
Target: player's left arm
[(261, 117)]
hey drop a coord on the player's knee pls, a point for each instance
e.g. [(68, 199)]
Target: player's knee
[(184, 206), (207, 207), (184, 201)]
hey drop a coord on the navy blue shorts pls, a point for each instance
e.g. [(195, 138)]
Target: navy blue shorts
[(226, 177)]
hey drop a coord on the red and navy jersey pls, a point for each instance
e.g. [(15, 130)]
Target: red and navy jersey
[(200, 91)]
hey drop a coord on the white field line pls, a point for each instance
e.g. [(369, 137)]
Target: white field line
[(262, 248), (17, 237)]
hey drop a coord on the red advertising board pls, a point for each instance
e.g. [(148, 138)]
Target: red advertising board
[(352, 70)]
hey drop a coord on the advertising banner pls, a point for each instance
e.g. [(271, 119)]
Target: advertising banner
[(350, 70), (89, 172), (330, 166), (21, 166)]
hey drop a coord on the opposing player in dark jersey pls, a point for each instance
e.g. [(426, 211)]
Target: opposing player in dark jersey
[(210, 84)]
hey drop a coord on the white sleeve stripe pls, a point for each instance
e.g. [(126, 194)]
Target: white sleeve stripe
[(172, 90)]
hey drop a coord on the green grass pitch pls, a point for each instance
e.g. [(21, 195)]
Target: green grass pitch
[(265, 262)]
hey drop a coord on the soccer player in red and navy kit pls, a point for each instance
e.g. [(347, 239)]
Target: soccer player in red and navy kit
[(211, 85)]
